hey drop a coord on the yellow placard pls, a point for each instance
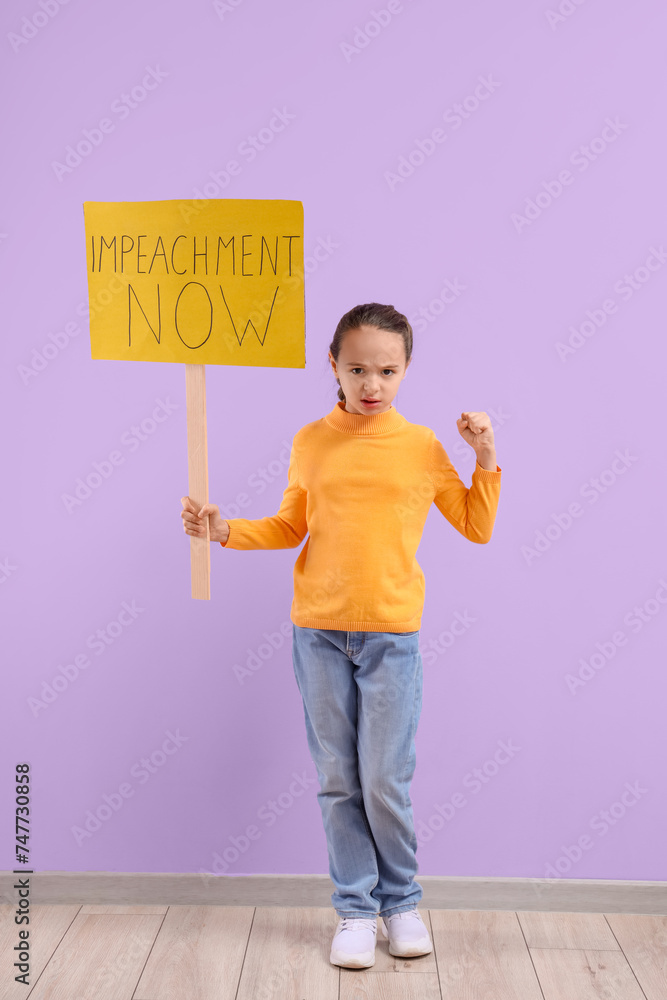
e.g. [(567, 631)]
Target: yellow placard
[(219, 285)]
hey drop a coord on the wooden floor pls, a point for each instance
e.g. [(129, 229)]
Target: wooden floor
[(282, 953)]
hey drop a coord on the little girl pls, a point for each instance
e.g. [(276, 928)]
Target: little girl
[(361, 481)]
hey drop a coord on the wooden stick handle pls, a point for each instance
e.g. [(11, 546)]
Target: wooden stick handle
[(200, 548)]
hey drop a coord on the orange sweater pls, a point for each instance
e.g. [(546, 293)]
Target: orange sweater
[(361, 488)]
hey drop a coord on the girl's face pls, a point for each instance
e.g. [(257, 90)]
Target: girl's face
[(371, 366)]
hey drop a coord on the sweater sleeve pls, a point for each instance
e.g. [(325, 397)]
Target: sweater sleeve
[(471, 511), (284, 530)]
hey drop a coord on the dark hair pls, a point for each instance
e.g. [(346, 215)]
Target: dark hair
[(371, 314)]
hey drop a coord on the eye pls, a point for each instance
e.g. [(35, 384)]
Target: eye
[(390, 370)]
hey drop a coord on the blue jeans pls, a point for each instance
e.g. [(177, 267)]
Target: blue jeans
[(362, 694)]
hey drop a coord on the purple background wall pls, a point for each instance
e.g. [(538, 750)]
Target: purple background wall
[(542, 206)]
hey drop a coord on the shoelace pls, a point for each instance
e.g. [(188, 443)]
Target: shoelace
[(357, 923), (404, 914)]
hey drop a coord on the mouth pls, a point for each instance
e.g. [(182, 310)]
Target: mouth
[(370, 402)]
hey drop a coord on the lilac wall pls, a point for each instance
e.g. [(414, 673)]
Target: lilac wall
[(525, 244)]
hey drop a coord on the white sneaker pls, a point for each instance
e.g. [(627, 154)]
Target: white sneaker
[(353, 945), (407, 933)]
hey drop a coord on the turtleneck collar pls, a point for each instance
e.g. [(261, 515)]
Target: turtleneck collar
[(359, 423)]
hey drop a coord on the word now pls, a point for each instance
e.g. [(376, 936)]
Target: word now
[(626, 288), (268, 813), (94, 137), (115, 800), (30, 26), (99, 641), (592, 490), (364, 36), (635, 619), (602, 822), (192, 320)]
